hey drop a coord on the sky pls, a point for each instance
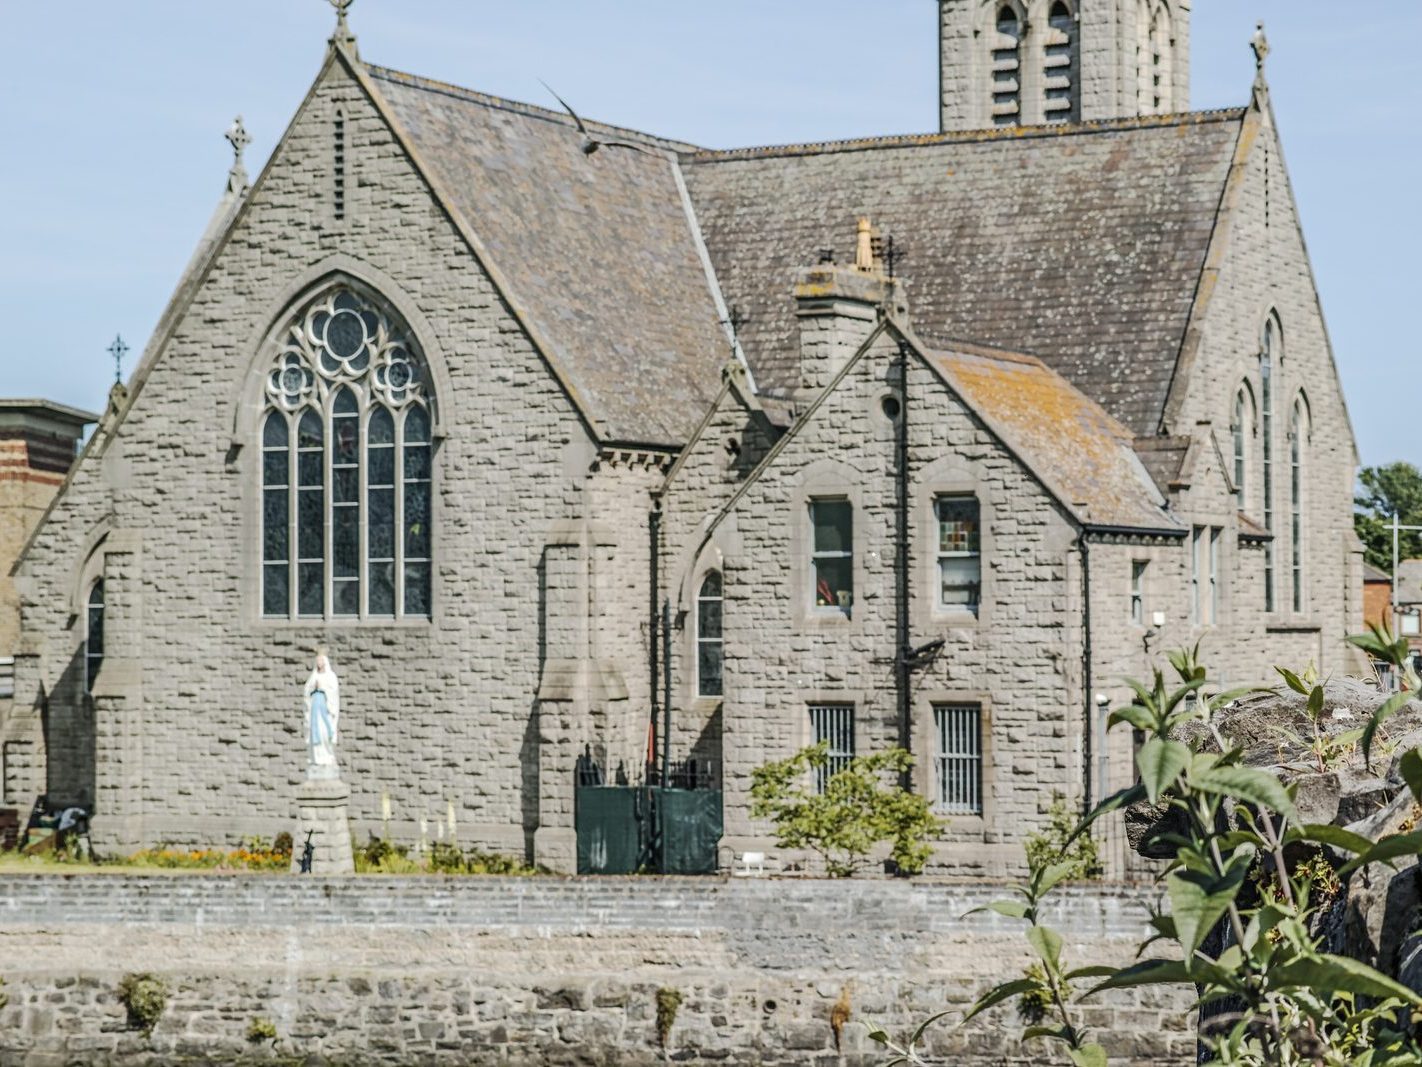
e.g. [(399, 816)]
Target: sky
[(112, 157)]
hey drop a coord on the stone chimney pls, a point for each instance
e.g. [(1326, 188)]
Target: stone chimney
[(838, 308)]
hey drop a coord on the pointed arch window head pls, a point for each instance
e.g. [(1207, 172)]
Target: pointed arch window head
[(93, 635), (1062, 101), (347, 464), (710, 644), (1006, 57)]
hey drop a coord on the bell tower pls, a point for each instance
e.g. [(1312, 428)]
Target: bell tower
[(1033, 62)]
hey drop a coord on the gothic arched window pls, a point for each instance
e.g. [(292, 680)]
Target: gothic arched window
[(710, 644), (346, 467), (1063, 100), (93, 635), (1241, 429), (1007, 67), (1268, 365), (1298, 435)]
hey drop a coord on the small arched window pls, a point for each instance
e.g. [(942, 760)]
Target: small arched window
[(1062, 103), (710, 644), (1162, 58), (1298, 440), (1269, 358), (1007, 68), (1241, 428), (346, 468), (93, 635)]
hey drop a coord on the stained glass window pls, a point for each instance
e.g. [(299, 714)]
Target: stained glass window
[(710, 646), (347, 467)]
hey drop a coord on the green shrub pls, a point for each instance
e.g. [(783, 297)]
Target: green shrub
[(260, 1031), (144, 996), (861, 806), (1054, 844)]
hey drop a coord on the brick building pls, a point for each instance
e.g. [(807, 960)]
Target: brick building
[(922, 440)]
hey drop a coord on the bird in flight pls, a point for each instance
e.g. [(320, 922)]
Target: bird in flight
[(590, 143)]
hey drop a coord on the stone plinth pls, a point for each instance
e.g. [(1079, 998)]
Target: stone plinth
[(321, 809)]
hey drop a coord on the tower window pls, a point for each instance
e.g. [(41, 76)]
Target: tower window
[(1059, 74), (1007, 68), (338, 166)]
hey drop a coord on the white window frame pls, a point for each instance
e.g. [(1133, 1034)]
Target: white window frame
[(941, 554), (816, 554)]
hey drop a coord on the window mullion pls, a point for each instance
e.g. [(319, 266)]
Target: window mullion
[(399, 532), (293, 499)]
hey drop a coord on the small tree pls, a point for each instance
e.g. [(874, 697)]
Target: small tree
[(1058, 842), (861, 806)]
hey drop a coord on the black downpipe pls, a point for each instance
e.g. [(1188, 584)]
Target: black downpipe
[(903, 667), (666, 694), (1088, 700), (654, 532)]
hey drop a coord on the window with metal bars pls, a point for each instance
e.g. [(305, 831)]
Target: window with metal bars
[(958, 758), (833, 724)]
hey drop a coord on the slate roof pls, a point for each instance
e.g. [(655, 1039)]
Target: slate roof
[(598, 251), (1082, 245), (1079, 452)]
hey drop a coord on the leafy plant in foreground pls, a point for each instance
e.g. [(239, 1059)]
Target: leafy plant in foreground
[(1240, 923)]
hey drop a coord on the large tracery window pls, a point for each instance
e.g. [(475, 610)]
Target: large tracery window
[(347, 459)]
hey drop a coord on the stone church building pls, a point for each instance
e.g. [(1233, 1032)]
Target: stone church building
[(916, 440)]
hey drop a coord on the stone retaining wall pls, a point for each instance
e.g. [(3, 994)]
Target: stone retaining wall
[(536, 971)]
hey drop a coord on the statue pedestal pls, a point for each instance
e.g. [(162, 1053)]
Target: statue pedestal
[(321, 809)]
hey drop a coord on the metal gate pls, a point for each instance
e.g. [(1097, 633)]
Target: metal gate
[(632, 829)]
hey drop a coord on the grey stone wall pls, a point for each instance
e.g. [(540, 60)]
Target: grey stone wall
[(540, 971)]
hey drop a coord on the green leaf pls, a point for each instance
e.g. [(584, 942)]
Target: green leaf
[(1315, 703), (1160, 763), (1335, 836), (1249, 784), (1050, 1033), (1098, 970), (1139, 717), (1147, 972), (1089, 1056), (1389, 708), (1328, 973), (1199, 900), (996, 995), (1387, 850), (1048, 944), (1053, 876), (1410, 766), (1292, 680), (1013, 909)]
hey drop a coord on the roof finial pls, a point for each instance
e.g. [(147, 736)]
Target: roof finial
[(1260, 43), (118, 350), (343, 35), (238, 137)]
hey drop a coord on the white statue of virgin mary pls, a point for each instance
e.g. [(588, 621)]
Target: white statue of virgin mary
[(323, 715)]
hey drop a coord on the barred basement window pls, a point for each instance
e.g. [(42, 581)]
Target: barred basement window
[(347, 458), (1007, 68), (710, 646), (958, 758), (93, 635), (833, 724)]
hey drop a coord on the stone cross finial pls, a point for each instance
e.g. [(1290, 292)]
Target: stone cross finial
[(238, 137), (118, 350), (1260, 44), (343, 33)]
